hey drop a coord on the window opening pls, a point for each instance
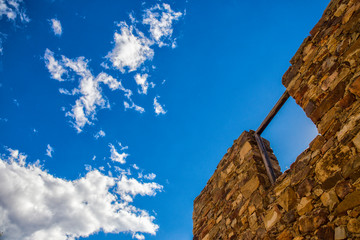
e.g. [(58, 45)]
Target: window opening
[(289, 134)]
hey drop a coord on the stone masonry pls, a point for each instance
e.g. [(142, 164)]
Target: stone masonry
[(319, 196)]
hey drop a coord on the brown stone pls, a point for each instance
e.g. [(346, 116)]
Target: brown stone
[(351, 200), (300, 175), (325, 233), (253, 222), (353, 225), (317, 143), (326, 167), (333, 97), (250, 187), (320, 217), (305, 187), (329, 199), (289, 217), (340, 233), (356, 141), (304, 206), (306, 224), (285, 235), (288, 199), (343, 188), (271, 217), (355, 87), (355, 212)]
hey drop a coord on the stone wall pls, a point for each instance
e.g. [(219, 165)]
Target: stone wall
[(319, 196)]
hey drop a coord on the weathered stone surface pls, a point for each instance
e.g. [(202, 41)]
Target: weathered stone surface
[(343, 188), (326, 168), (285, 235), (329, 199), (325, 233), (356, 141), (304, 206), (305, 187), (355, 87), (353, 225), (271, 218), (306, 224), (351, 200), (250, 187), (340, 233), (320, 217), (288, 199)]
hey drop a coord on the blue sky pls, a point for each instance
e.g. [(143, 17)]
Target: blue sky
[(113, 115)]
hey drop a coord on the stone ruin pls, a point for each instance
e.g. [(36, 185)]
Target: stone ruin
[(319, 196)]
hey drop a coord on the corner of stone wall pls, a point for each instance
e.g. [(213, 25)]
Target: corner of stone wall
[(238, 185)]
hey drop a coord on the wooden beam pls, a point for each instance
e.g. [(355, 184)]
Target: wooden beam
[(266, 159), (273, 112)]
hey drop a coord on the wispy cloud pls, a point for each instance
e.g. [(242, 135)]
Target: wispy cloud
[(130, 187), (55, 68), (160, 18), (141, 80), (115, 156), (49, 151), (56, 27), (157, 107), (99, 134), (36, 205), (91, 97), (150, 176), (13, 9)]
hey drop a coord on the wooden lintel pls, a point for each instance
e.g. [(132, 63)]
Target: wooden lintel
[(266, 159), (273, 112)]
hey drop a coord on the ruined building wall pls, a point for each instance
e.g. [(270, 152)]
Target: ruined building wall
[(319, 196)]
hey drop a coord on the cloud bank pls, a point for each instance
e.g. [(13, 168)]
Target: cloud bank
[(35, 205)]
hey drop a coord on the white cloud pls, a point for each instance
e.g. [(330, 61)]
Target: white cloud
[(56, 27), (99, 134), (132, 105), (130, 187), (141, 80), (56, 70), (139, 236), (135, 166), (35, 205), (158, 108), (49, 150), (122, 147), (91, 98), (160, 19), (150, 176), (130, 50), (117, 157), (13, 9)]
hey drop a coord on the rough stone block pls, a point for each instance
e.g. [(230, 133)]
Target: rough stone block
[(288, 199), (271, 217), (351, 200)]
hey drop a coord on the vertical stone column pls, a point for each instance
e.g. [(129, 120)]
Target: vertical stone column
[(230, 203)]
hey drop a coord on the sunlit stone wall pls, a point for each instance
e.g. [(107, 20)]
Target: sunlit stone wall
[(319, 196)]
